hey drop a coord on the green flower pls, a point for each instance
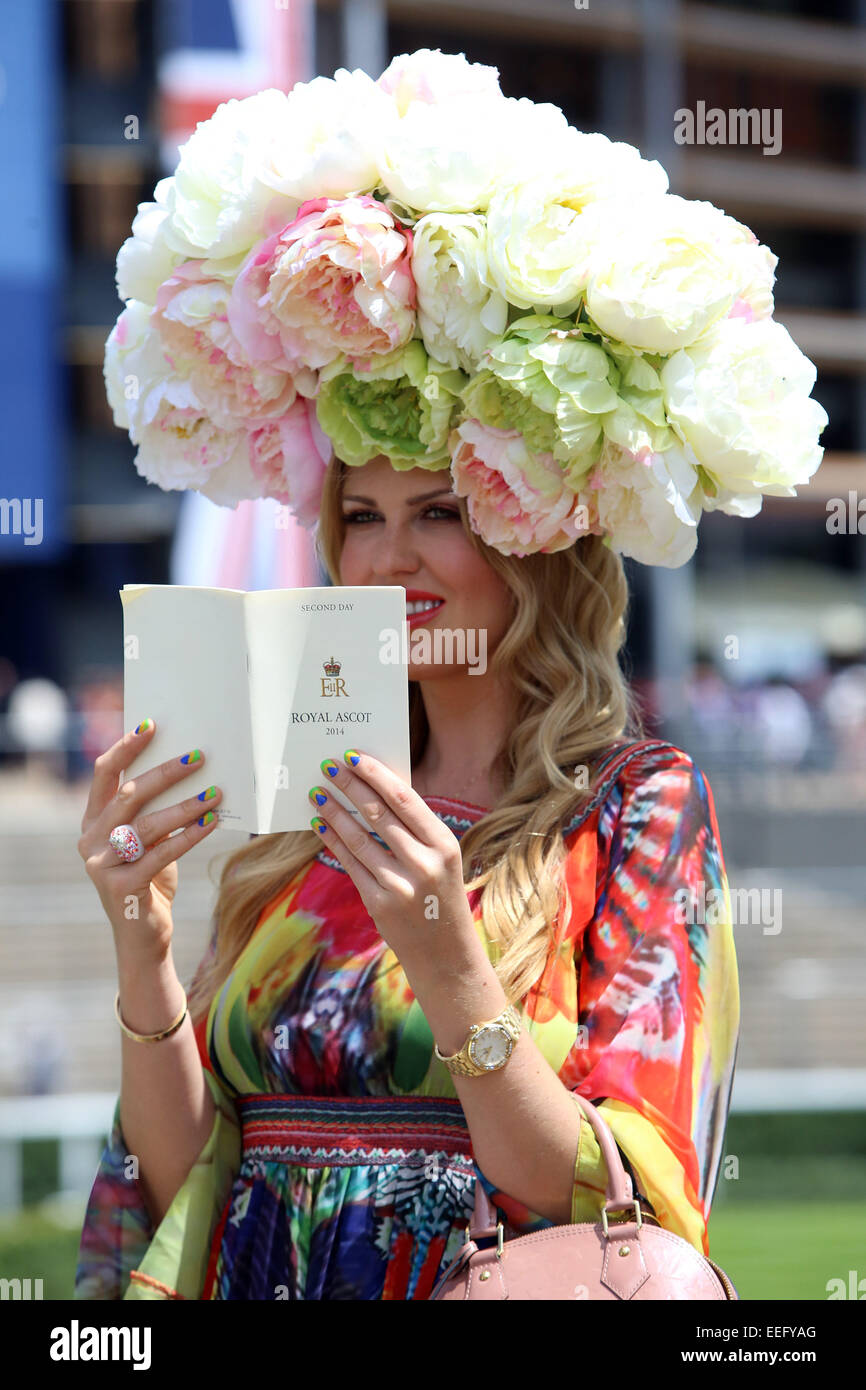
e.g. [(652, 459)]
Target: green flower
[(400, 404), (639, 420), (544, 378), (492, 402)]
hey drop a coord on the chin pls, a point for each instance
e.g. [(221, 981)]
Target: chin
[(431, 672)]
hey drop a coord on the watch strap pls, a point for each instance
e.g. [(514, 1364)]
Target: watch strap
[(461, 1061)]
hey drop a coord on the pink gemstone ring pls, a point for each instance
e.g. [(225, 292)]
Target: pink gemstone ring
[(125, 843)]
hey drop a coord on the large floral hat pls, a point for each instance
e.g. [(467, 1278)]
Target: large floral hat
[(424, 268)]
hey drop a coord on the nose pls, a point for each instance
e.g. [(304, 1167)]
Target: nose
[(395, 553)]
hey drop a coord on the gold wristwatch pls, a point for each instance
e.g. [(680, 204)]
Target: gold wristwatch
[(488, 1046)]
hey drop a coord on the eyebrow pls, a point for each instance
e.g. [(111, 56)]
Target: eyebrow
[(422, 497)]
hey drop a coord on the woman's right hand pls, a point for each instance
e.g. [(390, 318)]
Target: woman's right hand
[(137, 897)]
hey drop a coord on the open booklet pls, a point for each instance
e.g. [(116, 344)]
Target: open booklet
[(267, 683)]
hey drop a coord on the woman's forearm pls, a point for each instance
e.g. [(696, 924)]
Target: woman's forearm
[(524, 1124), (166, 1108)]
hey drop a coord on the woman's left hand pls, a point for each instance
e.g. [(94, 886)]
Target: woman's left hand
[(418, 879)]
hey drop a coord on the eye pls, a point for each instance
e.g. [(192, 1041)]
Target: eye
[(445, 514)]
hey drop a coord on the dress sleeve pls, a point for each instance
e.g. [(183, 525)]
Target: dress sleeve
[(118, 1233), (658, 991), (657, 998)]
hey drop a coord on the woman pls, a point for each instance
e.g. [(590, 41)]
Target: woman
[(298, 1136), (411, 275)]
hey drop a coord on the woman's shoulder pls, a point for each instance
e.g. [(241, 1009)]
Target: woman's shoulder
[(628, 765)]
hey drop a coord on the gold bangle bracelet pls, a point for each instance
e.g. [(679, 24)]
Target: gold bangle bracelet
[(150, 1037)]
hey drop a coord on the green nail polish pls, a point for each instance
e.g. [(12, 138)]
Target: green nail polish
[(318, 824), (316, 794), (207, 795), (328, 765), (193, 757), (144, 726), (207, 818), (352, 756)]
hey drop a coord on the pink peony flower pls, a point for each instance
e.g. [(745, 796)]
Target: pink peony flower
[(337, 279), (199, 345), (182, 448), (519, 501), (289, 456)]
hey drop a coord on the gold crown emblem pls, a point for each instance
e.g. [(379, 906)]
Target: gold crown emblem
[(332, 667)]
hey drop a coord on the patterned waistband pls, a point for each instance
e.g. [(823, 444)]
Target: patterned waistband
[(327, 1130)]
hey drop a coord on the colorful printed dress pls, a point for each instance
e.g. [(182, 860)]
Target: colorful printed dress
[(340, 1164)]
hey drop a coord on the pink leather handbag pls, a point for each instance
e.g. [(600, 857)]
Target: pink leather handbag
[(631, 1259)]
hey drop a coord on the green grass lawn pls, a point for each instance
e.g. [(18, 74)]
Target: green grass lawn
[(774, 1228), (785, 1250), (34, 1246), (781, 1250)]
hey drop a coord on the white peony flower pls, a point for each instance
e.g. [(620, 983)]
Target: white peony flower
[(146, 260), (458, 313), (326, 141), (649, 504), (668, 268), (435, 77), (539, 241), (452, 158), (740, 398), (218, 201)]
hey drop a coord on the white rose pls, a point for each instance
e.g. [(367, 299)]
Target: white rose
[(540, 242), (740, 398), (458, 313), (668, 268), (436, 77), (326, 142), (649, 504), (218, 201)]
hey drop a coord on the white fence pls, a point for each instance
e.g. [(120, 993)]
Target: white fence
[(80, 1122)]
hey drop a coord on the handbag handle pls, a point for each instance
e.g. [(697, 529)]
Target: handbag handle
[(619, 1186)]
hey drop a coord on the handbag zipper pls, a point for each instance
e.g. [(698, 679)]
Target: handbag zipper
[(730, 1291)]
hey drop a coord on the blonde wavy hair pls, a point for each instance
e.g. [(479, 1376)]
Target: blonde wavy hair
[(561, 659)]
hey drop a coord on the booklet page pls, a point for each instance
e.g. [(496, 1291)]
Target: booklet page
[(328, 671), (185, 667)]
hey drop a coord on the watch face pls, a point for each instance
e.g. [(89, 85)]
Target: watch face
[(490, 1048)]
